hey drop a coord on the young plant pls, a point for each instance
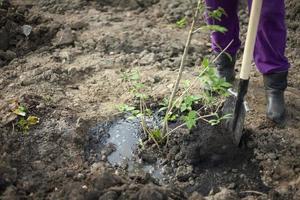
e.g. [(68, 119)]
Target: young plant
[(181, 23), (182, 106), (215, 83), (24, 123)]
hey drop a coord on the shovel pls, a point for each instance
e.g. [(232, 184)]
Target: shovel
[(235, 103)]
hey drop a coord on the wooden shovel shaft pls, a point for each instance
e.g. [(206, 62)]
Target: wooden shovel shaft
[(250, 39)]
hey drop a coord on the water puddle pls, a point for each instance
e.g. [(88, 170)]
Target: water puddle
[(125, 136)]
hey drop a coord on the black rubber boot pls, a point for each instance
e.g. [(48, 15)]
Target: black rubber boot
[(225, 67), (275, 85)]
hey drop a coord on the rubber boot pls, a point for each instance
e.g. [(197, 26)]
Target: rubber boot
[(225, 67), (275, 85)]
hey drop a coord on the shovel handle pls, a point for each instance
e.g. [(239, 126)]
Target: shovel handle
[(250, 39)]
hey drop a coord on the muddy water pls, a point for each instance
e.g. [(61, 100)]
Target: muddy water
[(124, 134)]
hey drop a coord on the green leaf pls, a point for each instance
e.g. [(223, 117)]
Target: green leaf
[(188, 101), (32, 120), (135, 112), (148, 112), (214, 122), (135, 76), (125, 108), (205, 62), (191, 119), (183, 107), (172, 117), (23, 125), (139, 115), (21, 111), (156, 134), (181, 23), (214, 28), (217, 13), (227, 116), (141, 96), (218, 119), (187, 84), (139, 85), (131, 118), (162, 109)]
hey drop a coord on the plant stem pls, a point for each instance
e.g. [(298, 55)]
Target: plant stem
[(143, 108), (201, 117), (188, 42), (193, 83)]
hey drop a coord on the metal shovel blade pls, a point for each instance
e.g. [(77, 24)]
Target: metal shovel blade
[(235, 106)]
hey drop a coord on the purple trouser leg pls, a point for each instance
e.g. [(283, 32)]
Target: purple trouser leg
[(231, 22), (271, 37)]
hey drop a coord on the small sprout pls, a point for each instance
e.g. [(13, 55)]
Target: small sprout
[(156, 135), (131, 76), (33, 120), (181, 23), (187, 84), (205, 62), (125, 108), (172, 117), (141, 96), (135, 76), (25, 124), (21, 111), (141, 143)]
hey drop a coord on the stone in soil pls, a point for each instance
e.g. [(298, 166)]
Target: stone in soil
[(64, 37)]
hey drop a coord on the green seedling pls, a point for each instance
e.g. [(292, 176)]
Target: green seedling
[(20, 111), (24, 123), (125, 108), (210, 79), (156, 135), (182, 106), (141, 143), (181, 23)]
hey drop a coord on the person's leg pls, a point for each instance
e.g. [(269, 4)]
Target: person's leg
[(269, 56), (269, 53), (225, 64), (229, 21)]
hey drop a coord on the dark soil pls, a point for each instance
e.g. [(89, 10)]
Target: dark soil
[(68, 73), (14, 42)]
